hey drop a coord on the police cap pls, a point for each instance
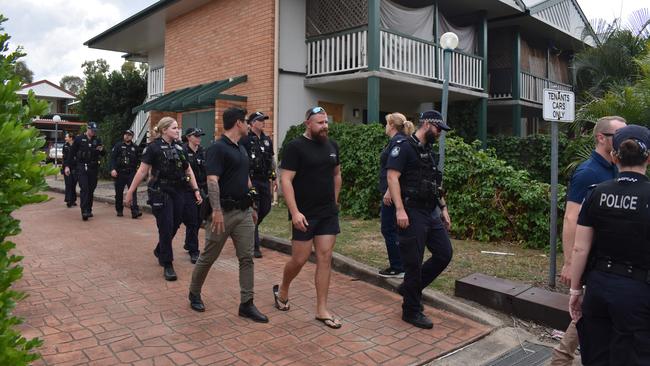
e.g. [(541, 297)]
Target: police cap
[(434, 117), (638, 133), (194, 132), (257, 116)]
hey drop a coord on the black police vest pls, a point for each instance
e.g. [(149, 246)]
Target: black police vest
[(127, 157), (620, 217), (87, 152), (419, 185), (197, 162), (170, 164), (260, 156), (66, 153)]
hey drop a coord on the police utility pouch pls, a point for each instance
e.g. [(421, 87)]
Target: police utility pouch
[(157, 198)]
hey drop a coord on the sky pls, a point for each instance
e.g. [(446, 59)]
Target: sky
[(52, 32)]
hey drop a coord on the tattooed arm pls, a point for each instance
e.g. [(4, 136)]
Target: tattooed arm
[(215, 201)]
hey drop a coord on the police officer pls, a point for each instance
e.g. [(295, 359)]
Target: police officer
[(70, 178), (191, 218), (611, 255), (123, 164), (85, 152), (398, 129), (262, 169), (170, 176), (422, 218)]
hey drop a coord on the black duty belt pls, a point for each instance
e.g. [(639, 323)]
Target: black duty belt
[(622, 269), (230, 204), (415, 203)]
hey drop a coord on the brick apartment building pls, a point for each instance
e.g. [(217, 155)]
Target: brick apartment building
[(357, 58)]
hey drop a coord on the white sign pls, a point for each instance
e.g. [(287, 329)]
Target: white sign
[(559, 105)]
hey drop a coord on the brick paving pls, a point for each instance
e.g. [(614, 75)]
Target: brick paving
[(97, 297)]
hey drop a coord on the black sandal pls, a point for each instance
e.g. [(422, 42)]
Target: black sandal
[(330, 322), (282, 305)]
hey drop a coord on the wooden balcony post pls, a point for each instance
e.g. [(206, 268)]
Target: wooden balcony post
[(516, 83), (373, 59), (483, 51)]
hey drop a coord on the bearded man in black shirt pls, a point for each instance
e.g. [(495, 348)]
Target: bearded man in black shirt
[(311, 182)]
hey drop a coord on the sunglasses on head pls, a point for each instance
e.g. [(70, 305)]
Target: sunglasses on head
[(315, 110)]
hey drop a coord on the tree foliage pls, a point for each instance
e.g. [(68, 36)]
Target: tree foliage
[(22, 178), (26, 75), (109, 96), (72, 83)]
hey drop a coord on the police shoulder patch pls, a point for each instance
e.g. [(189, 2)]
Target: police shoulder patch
[(266, 142), (395, 152), (179, 147), (145, 150)]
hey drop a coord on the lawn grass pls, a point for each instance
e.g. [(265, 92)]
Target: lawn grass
[(361, 240)]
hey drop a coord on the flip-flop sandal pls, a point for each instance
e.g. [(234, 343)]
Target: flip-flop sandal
[(330, 322), (279, 303)]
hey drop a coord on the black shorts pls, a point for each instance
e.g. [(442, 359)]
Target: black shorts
[(320, 226)]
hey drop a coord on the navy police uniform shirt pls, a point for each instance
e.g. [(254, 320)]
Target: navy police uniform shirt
[(84, 150), (228, 161), (259, 149), (383, 159), (124, 157), (402, 156), (618, 212), (154, 153), (197, 162), (594, 170)]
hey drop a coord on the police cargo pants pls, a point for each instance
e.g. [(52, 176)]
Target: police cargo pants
[(124, 179), (87, 184), (238, 226), (168, 219), (263, 188), (190, 219), (70, 187), (425, 230)]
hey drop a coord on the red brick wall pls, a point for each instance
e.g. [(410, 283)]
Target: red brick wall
[(220, 106), (223, 39), (156, 116)]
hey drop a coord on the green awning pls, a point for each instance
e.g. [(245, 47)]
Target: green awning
[(195, 97)]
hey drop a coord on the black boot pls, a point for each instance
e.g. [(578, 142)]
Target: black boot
[(257, 253), (85, 216), (135, 214), (170, 274), (196, 303), (419, 320), (120, 214), (248, 310), (194, 257)]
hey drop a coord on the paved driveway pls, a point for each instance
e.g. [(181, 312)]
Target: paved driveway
[(97, 297)]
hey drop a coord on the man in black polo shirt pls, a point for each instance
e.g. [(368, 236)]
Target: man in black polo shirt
[(311, 182), (232, 215)]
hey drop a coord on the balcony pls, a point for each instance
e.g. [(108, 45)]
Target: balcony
[(531, 86), (346, 52), (156, 82)]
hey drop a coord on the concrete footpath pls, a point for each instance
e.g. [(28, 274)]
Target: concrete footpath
[(97, 296)]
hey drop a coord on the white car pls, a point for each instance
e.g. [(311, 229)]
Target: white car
[(56, 151)]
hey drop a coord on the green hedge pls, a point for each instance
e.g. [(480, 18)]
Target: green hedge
[(488, 199), (533, 154), (22, 178)]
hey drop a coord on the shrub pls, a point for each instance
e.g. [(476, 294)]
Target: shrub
[(21, 179), (488, 199), (533, 154)]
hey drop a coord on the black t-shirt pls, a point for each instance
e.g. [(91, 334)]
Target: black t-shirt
[(383, 159), (228, 161), (314, 163)]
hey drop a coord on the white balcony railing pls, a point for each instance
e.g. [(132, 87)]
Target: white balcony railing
[(408, 56), (156, 82), (532, 87), (342, 52), (347, 51)]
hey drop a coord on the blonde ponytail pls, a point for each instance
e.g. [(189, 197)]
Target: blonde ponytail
[(400, 123)]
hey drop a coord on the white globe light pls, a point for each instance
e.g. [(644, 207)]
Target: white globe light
[(56, 118), (449, 41)]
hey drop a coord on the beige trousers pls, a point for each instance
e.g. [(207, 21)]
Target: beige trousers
[(563, 354), (240, 227)]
